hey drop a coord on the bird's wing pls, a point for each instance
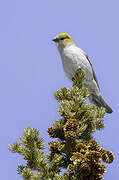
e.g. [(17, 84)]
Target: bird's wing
[(94, 75)]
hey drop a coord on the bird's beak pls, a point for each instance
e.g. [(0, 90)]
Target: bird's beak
[(55, 39)]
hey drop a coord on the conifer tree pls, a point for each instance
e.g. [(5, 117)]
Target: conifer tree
[(74, 154)]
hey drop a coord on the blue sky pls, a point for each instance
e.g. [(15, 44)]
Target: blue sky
[(31, 69)]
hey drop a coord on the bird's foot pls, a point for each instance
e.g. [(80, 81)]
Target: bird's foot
[(76, 74), (79, 77), (77, 71)]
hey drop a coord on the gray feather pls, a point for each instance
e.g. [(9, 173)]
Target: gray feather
[(99, 101), (94, 75)]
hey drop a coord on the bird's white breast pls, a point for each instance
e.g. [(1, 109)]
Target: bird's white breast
[(73, 58)]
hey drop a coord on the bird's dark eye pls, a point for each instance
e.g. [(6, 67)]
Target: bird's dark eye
[(62, 38)]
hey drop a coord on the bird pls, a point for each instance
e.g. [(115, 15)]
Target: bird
[(74, 58)]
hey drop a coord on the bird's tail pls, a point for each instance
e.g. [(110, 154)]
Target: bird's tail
[(99, 101)]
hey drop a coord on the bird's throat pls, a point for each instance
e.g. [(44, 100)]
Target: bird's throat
[(68, 42)]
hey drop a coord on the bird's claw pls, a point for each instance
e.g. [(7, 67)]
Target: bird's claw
[(77, 71), (76, 74)]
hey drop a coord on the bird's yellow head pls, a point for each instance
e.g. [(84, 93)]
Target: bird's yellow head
[(62, 40)]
